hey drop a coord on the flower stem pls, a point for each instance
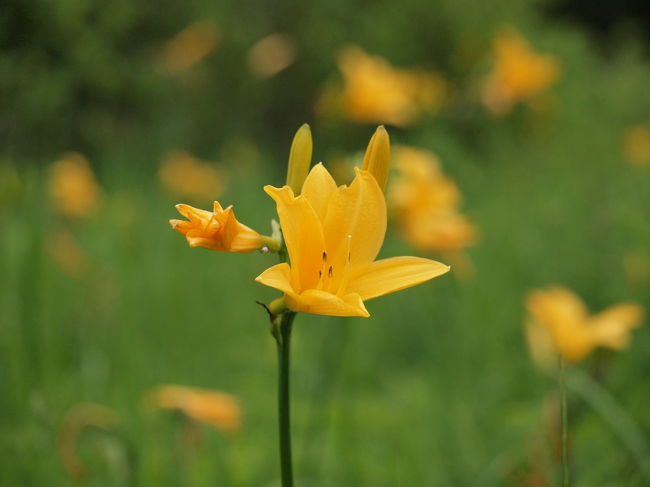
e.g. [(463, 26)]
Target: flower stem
[(564, 422), (283, 339)]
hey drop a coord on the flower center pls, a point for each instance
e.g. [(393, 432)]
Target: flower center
[(333, 276)]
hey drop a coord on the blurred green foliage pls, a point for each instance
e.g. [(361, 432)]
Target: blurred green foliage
[(437, 388)]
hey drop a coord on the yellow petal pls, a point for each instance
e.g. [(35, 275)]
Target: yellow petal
[(611, 327), (192, 213), (278, 277), (390, 275), (206, 243), (324, 303), (236, 236), (181, 226), (556, 307), (318, 189), (245, 240), (377, 157), (358, 211), (303, 235)]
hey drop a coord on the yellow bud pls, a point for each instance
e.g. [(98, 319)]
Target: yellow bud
[(378, 156), (299, 158)]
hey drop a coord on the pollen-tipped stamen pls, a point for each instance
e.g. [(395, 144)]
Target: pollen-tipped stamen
[(323, 272)]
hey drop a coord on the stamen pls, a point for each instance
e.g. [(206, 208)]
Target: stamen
[(321, 273)]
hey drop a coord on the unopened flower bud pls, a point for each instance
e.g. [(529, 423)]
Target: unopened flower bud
[(299, 159), (377, 158)]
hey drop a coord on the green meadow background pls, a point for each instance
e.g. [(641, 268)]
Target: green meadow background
[(437, 388)]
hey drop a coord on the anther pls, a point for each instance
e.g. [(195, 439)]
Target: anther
[(329, 272)]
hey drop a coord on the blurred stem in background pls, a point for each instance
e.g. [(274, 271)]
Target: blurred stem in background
[(331, 364), (31, 303), (564, 421), (621, 423)]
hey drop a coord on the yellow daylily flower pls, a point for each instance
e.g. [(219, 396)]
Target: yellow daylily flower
[(333, 235), (425, 204), (518, 73), (376, 92), (214, 408), (73, 188), (559, 318), (216, 230)]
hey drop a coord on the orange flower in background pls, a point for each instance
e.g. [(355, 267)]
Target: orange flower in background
[(636, 145), (558, 320), (185, 176), (73, 188), (518, 73), (376, 92), (216, 230), (333, 235), (214, 408), (190, 46), (425, 204)]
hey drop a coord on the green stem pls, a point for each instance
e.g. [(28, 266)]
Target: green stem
[(283, 339), (565, 423)]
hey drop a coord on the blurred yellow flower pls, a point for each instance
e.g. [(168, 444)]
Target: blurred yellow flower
[(518, 73), (333, 235), (73, 188), (558, 320), (216, 230), (185, 176), (271, 55), (425, 204), (214, 408), (376, 92), (636, 145), (190, 46)]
